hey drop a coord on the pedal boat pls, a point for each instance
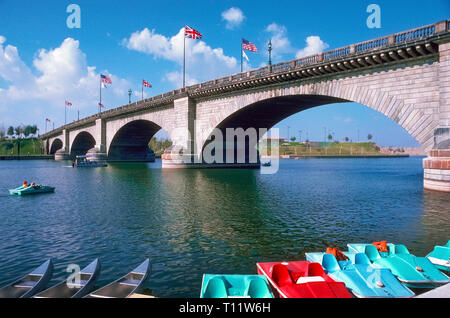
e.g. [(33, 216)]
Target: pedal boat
[(301, 279), (39, 188), (235, 286), (411, 270), (440, 256), (362, 278)]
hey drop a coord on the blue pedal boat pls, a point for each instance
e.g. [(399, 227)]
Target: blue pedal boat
[(362, 278), (413, 271), (235, 286), (440, 256), (32, 190)]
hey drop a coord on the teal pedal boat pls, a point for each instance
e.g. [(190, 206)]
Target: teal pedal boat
[(32, 190), (440, 256), (235, 286), (362, 278), (411, 270)]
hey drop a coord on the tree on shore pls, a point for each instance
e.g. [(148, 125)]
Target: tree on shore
[(10, 131), (369, 137), (330, 137), (293, 139), (346, 139), (2, 133)]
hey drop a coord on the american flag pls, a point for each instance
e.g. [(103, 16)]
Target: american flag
[(146, 84), (191, 33), (101, 105), (105, 79), (68, 103), (246, 45), (47, 120)]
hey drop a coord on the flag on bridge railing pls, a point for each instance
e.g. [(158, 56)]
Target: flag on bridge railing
[(189, 33), (47, 120), (68, 103), (246, 45), (101, 105), (146, 84), (105, 79)]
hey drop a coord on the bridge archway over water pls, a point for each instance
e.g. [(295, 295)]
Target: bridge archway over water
[(55, 146), (130, 142), (81, 144)]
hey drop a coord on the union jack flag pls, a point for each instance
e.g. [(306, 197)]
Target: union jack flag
[(105, 79), (191, 33), (68, 103), (246, 45), (146, 84)]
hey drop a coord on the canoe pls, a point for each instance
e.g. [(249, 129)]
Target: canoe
[(411, 270), (65, 289), (30, 284), (125, 286), (360, 276), (32, 190), (301, 279), (440, 256), (235, 286)]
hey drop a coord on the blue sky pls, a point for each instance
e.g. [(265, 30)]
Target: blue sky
[(43, 62)]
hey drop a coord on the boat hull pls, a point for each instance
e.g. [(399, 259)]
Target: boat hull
[(235, 286)]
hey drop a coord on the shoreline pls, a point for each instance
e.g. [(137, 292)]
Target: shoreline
[(31, 157)]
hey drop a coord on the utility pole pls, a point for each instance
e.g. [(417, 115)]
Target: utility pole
[(129, 95)]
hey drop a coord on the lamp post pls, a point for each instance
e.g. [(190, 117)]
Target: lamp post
[(270, 52), (129, 95)]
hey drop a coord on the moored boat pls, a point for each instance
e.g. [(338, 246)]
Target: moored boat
[(440, 256), (30, 284), (88, 277), (235, 286), (301, 279), (126, 285), (360, 275), (411, 270), (87, 162)]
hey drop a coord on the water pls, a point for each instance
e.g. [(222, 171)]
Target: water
[(191, 222)]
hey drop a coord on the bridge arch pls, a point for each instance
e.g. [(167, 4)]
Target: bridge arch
[(130, 142), (55, 146), (264, 109), (81, 144)]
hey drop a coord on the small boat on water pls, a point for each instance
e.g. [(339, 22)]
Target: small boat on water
[(235, 286), (36, 189), (65, 289), (30, 284), (125, 286), (266, 164), (411, 270), (440, 256), (301, 279), (87, 162), (360, 275)]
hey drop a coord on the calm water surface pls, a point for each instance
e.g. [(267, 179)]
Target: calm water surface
[(191, 222)]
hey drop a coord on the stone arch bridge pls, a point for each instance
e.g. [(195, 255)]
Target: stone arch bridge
[(405, 76)]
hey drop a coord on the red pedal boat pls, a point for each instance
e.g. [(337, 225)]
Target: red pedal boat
[(301, 279)]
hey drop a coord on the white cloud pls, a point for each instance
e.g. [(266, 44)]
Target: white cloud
[(314, 45), (233, 17), (199, 56), (62, 74)]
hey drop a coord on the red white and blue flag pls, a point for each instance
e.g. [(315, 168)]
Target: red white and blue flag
[(246, 45), (47, 120), (191, 33), (105, 79), (146, 84), (101, 105), (68, 103)]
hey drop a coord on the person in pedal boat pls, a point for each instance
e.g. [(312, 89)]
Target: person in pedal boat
[(25, 185)]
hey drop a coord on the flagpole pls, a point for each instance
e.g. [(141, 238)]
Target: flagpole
[(242, 53), (99, 107), (184, 59), (45, 125), (65, 113), (142, 89)]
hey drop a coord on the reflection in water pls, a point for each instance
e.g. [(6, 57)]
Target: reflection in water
[(191, 222)]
